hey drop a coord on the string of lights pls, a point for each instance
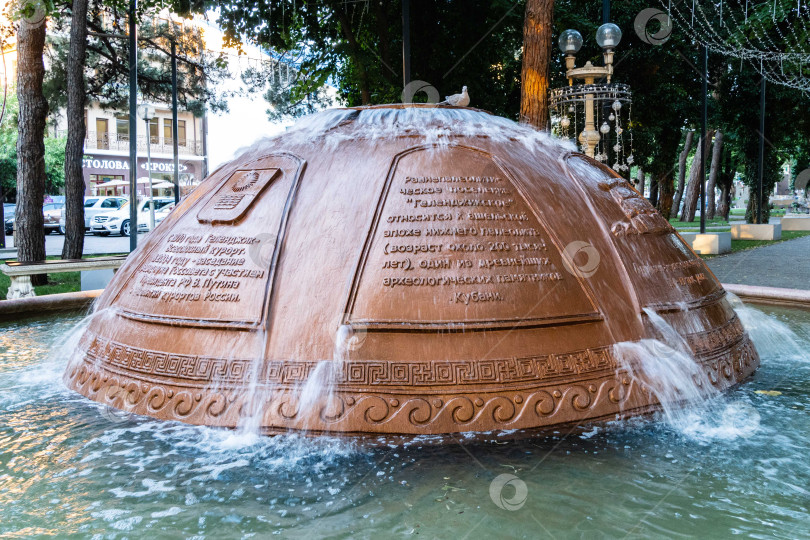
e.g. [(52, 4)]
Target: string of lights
[(773, 38)]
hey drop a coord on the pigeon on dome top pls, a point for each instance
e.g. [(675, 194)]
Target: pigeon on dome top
[(458, 100)]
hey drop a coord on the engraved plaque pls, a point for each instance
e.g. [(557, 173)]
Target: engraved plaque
[(454, 238), (232, 200), (220, 270)]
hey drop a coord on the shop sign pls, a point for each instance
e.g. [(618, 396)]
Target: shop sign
[(88, 163), (163, 167)]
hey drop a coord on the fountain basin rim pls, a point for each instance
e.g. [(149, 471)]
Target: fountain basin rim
[(70, 301), (770, 296)]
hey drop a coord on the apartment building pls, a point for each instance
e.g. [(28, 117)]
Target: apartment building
[(106, 165)]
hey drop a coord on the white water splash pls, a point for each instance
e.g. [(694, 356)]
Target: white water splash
[(773, 338), (255, 396), (690, 404), (317, 396)]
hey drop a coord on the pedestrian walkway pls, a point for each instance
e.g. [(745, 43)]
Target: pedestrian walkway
[(786, 265)]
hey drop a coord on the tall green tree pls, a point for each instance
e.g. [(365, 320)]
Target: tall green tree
[(74, 147), (534, 83), (54, 154)]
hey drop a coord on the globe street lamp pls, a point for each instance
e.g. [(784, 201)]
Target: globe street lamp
[(589, 94)]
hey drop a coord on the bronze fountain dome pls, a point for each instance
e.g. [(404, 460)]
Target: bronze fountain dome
[(402, 270)]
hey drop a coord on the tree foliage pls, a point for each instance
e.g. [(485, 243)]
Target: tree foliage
[(356, 47), (107, 62), (54, 154)]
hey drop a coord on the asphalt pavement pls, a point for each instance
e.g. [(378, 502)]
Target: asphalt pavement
[(785, 264)]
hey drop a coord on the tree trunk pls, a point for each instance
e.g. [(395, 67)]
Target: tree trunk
[(666, 191), (640, 181), (29, 234), (726, 181), (717, 151), (676, 201), (537, 44), (74, 149), (692, 193)]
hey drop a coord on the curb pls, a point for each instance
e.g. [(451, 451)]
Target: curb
[(770, 296), (51, 302)]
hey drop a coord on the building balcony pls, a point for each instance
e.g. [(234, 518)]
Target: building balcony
[(159, 145)]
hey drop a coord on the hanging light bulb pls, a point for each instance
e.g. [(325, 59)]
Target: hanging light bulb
[(612, 117), (571, 108), (617, 147), (617, 105), (605, 128), (630, 159), (565, 122)]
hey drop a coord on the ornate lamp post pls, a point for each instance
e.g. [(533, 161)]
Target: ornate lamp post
[(585, 101)]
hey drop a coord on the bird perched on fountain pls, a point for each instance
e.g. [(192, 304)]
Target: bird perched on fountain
[(457, 100)]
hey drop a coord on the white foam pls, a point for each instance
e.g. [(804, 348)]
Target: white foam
[(434, 125)]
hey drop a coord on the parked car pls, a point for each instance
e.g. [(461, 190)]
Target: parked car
[(51, 213), (161, 214), (8, 217), (94, 206), (117, 221)]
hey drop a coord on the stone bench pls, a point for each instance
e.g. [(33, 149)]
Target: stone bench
[(20, 273), (793, 222)]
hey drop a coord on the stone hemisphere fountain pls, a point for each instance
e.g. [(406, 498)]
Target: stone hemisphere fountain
[(403, 270)]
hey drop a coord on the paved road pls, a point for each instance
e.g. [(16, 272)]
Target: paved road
[(786, 264), (93, 245)]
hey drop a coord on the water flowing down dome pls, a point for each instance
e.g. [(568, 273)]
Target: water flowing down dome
[(405, 270)]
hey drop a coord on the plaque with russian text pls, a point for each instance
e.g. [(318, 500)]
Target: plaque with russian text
[(455, 245), (662, 268), (217, 264)]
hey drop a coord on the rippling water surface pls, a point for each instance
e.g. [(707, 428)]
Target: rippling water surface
[(738, 465)]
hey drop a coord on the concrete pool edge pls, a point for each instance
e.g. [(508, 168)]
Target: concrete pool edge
[(771, 296), (52, 302)]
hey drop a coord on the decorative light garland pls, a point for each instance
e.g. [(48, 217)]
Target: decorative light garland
[(781, 55)]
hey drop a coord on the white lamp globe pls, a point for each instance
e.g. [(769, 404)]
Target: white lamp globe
[(570, 41), (608, 36)]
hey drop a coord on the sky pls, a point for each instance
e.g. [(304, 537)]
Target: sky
[(246, 121)]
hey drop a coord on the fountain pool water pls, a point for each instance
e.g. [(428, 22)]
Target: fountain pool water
[(736, 464)]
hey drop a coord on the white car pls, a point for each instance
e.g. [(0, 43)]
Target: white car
[(94, 206), (117, 221), (161, 214)]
